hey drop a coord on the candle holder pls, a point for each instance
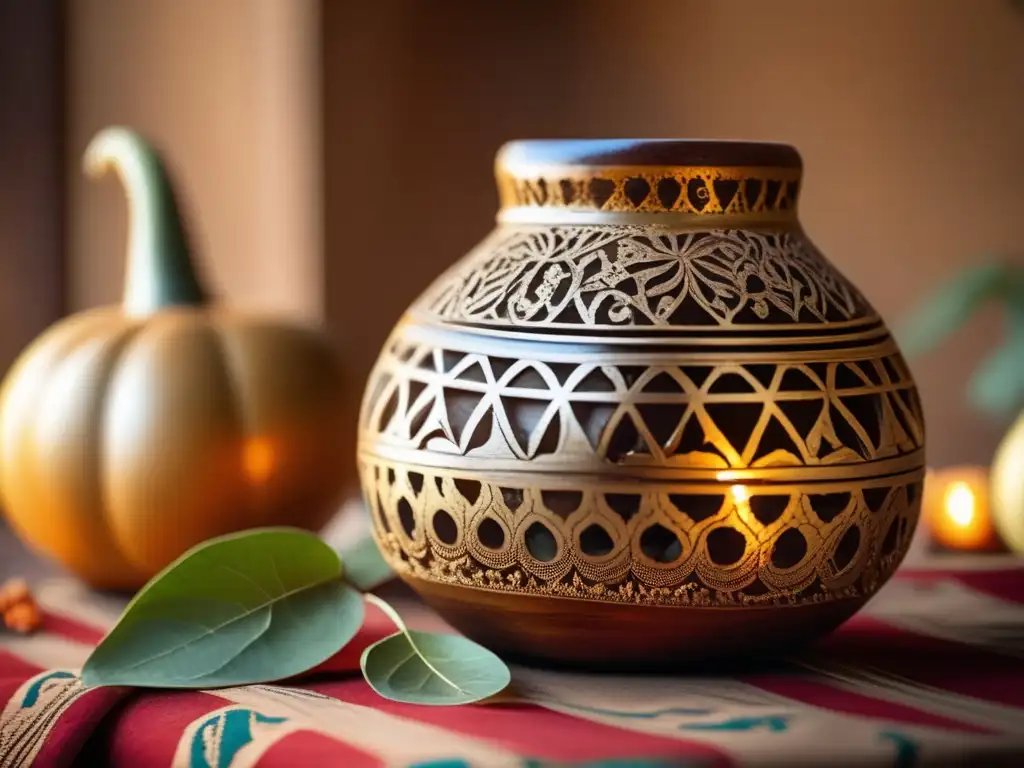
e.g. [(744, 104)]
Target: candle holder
[(956, 511)]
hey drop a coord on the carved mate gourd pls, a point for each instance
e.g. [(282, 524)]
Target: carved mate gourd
[(129, 434), (645, 422)]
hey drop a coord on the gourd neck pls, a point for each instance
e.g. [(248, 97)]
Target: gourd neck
[(660, 182), (159, 271)]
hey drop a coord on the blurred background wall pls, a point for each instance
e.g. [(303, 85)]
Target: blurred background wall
[(909, 115), (31, 172), (228, 89), (337, 155)]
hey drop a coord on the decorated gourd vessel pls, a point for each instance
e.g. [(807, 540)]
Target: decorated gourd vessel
[(645, 421)]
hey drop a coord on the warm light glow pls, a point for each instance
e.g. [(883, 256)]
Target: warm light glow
[(740, 497), (956, 511), (959, 503), (258, 459), (740, 494)]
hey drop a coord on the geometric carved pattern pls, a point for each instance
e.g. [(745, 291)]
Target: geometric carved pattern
[(612, 277), (689, 190), (730, 415), (704, 545)]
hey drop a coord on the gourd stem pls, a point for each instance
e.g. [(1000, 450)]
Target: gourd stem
[(159, 269)]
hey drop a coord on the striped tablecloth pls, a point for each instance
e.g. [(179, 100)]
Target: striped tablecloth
[(931, 673)]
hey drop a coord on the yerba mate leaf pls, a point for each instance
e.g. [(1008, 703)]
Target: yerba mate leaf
[(365, 568), (249, 607), (427, 668)]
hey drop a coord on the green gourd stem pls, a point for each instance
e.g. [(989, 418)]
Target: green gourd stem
[(159, 269)]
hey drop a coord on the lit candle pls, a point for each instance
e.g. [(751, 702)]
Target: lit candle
[(955, 509)]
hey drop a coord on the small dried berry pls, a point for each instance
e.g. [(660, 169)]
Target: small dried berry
[(23, 617), (12, 592)]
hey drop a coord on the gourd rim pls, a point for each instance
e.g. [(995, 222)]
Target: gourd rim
[(517, 156)]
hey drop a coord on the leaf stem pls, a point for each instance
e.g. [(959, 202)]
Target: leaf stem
[(385, 606), (392, 614)]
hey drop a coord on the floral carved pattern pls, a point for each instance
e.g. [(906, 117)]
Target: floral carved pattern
[(602, 277)]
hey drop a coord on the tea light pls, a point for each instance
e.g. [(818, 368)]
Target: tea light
[(955, 509)]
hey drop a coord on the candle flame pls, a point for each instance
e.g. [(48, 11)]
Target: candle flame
[(960, 504)]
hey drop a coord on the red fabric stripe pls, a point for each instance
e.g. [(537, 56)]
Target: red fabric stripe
[(528, 730), (315, 749), (76, 725), (14, 669), (849, 703), (70, 629), (949, 666), (1006, 585), (146, 730)]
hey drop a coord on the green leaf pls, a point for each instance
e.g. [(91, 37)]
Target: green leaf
[(427, 668), (943, 312), (250, 607), (997, 386), (365, 568)]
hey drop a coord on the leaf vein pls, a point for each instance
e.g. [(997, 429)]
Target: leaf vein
[(236, 572), (217, 627)]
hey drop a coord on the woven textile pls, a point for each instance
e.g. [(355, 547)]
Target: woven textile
[(930, 673)]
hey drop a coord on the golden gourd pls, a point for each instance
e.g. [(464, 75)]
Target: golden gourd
[(1008, 487), (129, 434)]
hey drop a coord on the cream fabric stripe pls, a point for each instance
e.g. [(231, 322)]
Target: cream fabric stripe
[(878, 684), (76, 601), (753, 726), (951, 610), (395, 740), (46, 651)]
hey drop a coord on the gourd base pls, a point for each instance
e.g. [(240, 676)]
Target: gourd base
[(567, 632)]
